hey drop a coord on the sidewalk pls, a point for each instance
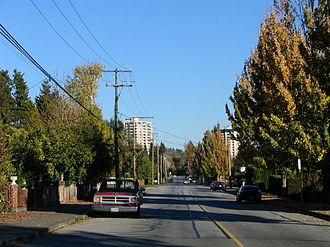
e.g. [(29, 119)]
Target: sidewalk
[(318, 210), (18, 227)]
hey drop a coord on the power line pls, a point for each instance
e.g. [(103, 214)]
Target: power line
[(90, 32), (19, 47), (44, 17), (132, 79), (169, 142), (138, 108), (23, 59), (165, 132), (79, 35)]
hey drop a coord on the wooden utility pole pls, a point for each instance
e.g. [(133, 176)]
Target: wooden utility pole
[(158, 175), (116, 156), (152, 163), (161, 167)]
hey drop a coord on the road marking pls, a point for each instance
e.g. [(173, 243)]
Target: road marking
[(218, 223)]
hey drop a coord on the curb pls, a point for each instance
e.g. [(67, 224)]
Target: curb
[(42, 231), (310, 213), (302, 211)]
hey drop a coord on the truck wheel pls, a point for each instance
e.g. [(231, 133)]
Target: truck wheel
[(137, 213)]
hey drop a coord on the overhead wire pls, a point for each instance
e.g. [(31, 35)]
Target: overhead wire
[(165, 132), (137, 92), (80, 36), (20, 48), (53, 28), (138, 108), (169, 142), (24, 60), (105, 51), (93, 36)]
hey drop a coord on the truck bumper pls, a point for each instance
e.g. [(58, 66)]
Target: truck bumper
[(114, 209)]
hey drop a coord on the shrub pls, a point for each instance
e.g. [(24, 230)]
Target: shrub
[(5, 200)]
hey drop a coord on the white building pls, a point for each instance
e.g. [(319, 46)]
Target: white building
[(227, 137), (141, 131)]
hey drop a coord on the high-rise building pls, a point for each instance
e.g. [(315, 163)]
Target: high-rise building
[(141, 131), (227, 135)]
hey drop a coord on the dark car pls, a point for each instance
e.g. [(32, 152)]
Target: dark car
[(248, 193), (218, 186)]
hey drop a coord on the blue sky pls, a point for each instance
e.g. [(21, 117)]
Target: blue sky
[(184, 54)]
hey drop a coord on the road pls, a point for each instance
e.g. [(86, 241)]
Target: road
[(192, 215)]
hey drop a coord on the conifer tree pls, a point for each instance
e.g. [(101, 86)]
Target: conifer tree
[(22, 103), (6, 102)]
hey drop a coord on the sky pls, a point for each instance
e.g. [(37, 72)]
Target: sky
[(184, 54)]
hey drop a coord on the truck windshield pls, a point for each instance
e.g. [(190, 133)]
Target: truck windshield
[(118, 186)]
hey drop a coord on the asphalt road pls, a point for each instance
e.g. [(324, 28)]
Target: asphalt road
[(192, 215)]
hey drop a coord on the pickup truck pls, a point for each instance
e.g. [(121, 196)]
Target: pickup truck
[(118, 195)]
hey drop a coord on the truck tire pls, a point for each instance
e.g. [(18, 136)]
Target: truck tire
[(137, 213)]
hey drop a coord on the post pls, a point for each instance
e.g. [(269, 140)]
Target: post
[(134, 149), (152, 163), (161, 168), (158, 175), (301, 181), (116, 154), (116, 128)]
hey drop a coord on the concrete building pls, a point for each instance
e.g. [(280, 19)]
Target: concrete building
[(141, 131), (227, 137)]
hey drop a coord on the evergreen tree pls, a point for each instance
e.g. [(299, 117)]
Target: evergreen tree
[(22, 102), (6, 102)]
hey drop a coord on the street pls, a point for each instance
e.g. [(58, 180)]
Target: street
[(175, 214)]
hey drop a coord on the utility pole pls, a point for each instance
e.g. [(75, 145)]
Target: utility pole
[(116, 71), (157, 150), (165, 168), (161, 168), (152, 163), (134, 146)]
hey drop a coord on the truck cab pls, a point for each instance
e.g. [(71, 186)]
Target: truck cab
[(118, 195)]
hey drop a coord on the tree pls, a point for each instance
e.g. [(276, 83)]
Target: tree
[(280, 109), (93, 131), (317, 55), (143, 165), (84, 84), (6, 101), (22, 104), (6, 160), (211, 155), (190, 154)]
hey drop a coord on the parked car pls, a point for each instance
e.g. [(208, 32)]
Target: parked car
[(248, 193), (118, 195), (218, 186), (186, 182)]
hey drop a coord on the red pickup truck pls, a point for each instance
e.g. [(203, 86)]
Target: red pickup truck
[(118, 195)]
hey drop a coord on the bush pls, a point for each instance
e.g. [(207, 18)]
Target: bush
[(5, 201)]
